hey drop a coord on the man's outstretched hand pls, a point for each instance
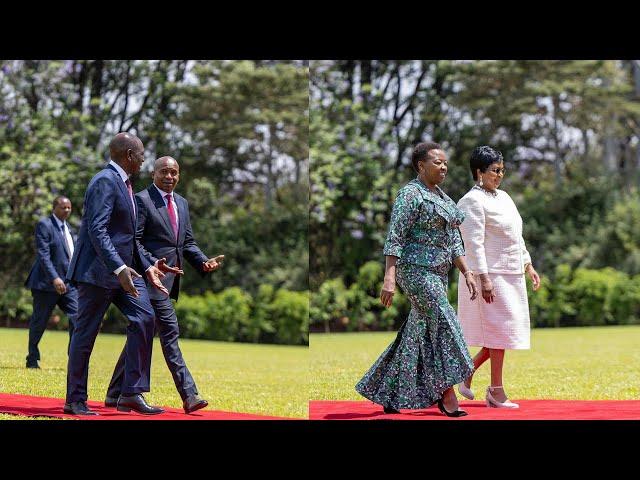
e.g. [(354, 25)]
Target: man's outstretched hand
[(125, 277), (154, 275), (213, 263), (161, 264)]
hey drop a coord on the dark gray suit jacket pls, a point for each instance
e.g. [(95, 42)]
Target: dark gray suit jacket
[(156, 239)]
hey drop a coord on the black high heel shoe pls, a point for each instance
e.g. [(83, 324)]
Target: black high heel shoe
[(457, 413), (390, 409)]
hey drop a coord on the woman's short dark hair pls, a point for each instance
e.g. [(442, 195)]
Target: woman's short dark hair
[(420, 152), (482, 157)]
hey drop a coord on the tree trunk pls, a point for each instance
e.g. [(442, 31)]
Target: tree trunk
[(585, 144), (365, 79), (96, 86), (610, 147), (268, 186), (348, 68), (557, 161), (31, 94), (609, 141)]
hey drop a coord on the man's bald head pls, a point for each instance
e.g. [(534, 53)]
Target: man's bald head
[(165, 161), (166, 173), (127, 151)]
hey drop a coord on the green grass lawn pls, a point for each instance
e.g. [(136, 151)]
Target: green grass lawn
[(239, 377), (566, 363)]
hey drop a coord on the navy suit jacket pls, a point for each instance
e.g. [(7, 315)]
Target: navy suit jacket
[(156, 239), (107, 234), (52, 257)]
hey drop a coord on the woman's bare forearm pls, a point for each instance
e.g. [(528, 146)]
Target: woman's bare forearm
[(390, 266), (461, 264)]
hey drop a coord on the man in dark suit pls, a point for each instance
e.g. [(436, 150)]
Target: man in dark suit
[(105, 268), (165, 237), (54, 248)]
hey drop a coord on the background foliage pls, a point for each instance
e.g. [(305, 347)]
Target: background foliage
[(570, 135), (239, 130)]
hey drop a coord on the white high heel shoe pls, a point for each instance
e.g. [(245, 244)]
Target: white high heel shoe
[(493, 403), (465, 391)]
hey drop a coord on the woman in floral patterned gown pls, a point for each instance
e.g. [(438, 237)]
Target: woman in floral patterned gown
[(429, 355)]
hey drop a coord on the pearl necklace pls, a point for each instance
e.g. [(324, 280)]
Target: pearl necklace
[(487, 192)]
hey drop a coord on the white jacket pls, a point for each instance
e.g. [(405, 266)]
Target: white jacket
[(492, 233)]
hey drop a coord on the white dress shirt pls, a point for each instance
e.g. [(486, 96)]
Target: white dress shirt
[(66, 233)]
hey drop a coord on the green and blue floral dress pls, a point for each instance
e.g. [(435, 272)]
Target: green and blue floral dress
[(429, 354)]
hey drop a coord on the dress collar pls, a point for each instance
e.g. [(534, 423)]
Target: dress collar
[(448, 209)]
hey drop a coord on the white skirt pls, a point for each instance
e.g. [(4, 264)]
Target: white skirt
[(503, 324)]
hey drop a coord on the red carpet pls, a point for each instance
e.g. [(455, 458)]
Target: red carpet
[(477, 410), (52, 407)]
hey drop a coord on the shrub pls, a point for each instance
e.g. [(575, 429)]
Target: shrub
[(260, 324), (192, 313), (16, 305), (624, 301), (228, 314), (590, 292), (369, 277), (290, 314), (539, 303), (361, 310), (329, 303), (561, 310)]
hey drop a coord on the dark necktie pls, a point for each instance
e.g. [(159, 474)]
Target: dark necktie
[(133, 203), (65, 242), (172, 215)]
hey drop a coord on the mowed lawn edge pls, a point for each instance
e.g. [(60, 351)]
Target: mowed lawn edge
[(584, 363), (239, 377)]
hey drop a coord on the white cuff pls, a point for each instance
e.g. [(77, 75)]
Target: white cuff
[(119, 269)]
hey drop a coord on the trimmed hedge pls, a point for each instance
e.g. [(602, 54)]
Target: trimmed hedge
[(566, 298), (357, 308), (273, 316), (583, 297)]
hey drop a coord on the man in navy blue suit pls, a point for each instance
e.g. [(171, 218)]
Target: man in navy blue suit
[(165, 236), (54, 248), (105, 268)]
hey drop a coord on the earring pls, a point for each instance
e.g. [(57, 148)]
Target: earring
[(481, 183)]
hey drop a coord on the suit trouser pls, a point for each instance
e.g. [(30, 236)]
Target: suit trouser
[(93, 302), (43, 304), (168, 332)]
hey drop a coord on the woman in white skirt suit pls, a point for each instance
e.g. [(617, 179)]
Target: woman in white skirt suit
[(495, 250)]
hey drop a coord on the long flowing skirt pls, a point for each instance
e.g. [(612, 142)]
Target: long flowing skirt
[(429, 354)]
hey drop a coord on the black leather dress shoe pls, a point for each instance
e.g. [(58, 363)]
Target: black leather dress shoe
[(33, 365), (138, 404), (193, 403), (78, 408), (111, 402)]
